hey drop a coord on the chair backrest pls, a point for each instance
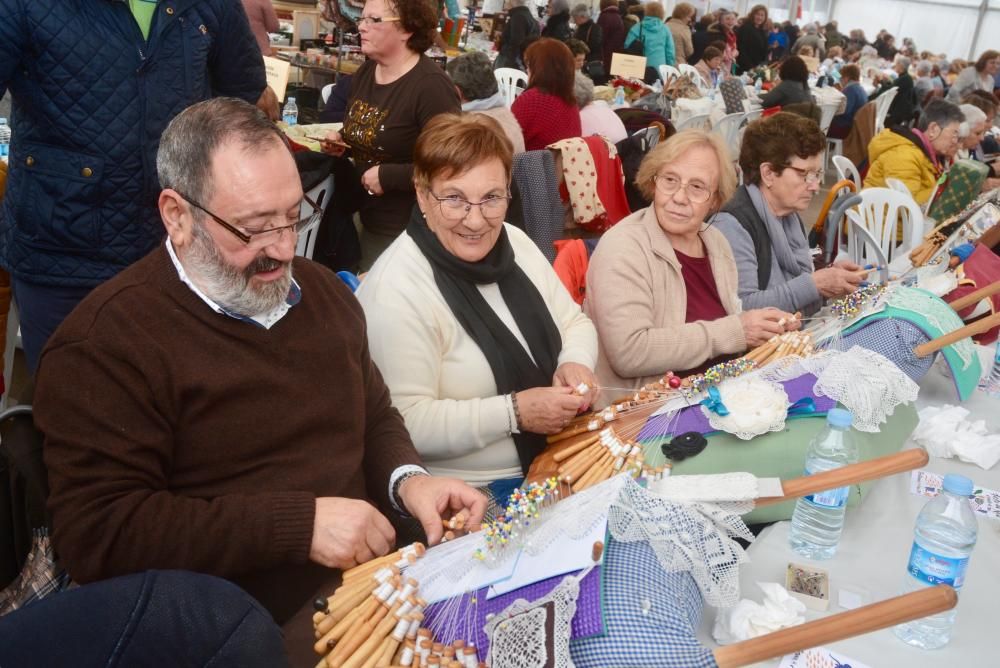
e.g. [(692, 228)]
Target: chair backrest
[(321, 195), (898, 186), (862, 247), (753, 115), (827, 111), (507, 79), (326, 91), (668, 72), (729, 127), (882, 211), (692, 71), (847, 170), (648, 137), (699, 121), (882, 104)]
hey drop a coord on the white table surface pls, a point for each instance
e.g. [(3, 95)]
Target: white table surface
[(875, 547)]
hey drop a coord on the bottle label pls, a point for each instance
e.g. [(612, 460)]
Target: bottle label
[(934, 569), (831, 498)]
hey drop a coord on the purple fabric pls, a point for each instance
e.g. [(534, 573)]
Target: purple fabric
[(457, 619), (692, 418)]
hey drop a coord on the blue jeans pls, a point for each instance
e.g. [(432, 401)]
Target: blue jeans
[(156, 618), (41, 309)]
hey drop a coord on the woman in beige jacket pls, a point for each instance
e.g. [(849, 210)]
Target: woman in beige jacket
[(662, 285), (680, 27)]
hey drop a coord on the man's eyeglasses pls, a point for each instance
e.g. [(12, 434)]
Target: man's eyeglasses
[(258, 239), (455, 208), (809, 176), (698, 193), (375, 20)]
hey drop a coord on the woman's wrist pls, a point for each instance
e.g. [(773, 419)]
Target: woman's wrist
[(517, 413)]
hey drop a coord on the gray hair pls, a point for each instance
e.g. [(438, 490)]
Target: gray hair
[(472, 72), (904, 61), (973, 117), (942, 112), (924, 68), (184, 159), (583, 90), (582, 9)]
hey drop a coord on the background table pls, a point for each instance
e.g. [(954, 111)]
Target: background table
[(875, 547)]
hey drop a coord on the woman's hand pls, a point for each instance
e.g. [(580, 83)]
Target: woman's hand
[(759, 325), (571, 375), (370, 181), (836, 281), (547, 410), (333, 144)]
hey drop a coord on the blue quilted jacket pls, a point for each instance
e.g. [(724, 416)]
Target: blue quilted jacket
[(90, 100)]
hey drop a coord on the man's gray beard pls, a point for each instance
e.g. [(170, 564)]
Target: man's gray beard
[(230, 287)]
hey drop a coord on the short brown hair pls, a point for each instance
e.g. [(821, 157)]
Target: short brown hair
[(577, 46), (451, 144), (683, 10), (418, 17), (655, 9), (794, 69), (682, 142), (852, 72), (551, 68), (709, 53), (775, 140), (986, 57), (754, 10), (982, 100)]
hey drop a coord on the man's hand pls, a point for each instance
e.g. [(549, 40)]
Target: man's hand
[(348, 532), (571, 375), (268, 103), (431, 500)]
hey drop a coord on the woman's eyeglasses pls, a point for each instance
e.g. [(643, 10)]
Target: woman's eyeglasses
[(456, 208), (809, 176), (697, 192), (375, 20)]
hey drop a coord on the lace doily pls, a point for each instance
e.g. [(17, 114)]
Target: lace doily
[(863, 381), (695, 538), (938, 313), (535, 634), (755, 406), (725, 487)]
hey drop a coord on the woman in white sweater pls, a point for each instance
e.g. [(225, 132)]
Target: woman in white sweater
[(479, 342)]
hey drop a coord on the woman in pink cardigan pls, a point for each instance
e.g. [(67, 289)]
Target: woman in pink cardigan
[(661, 285)]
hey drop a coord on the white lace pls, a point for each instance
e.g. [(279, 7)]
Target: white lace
[(690, 537), (863, 381), (756, 406), (517, 635), (938, 313), (725, 487)]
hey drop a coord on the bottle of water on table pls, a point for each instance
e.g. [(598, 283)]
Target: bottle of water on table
[(4, 138), (290, 114), (819, 518), (943, 538)]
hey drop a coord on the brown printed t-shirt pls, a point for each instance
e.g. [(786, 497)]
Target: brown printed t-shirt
[(382, 125)]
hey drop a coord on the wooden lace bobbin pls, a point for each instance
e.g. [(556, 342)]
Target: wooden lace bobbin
[(606, 460), (335, 634), (340, 607), (572, 469), (404, 655), (371, 641), (588, 469), (408, 555), (566, 453), (356, 637), (569, 432), (604, 472)]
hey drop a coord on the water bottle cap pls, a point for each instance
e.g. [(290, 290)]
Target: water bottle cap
[(3, 121), (957, 484), (291, 99), (839, 417)]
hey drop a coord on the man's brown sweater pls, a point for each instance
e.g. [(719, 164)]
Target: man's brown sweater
[(179, 438)]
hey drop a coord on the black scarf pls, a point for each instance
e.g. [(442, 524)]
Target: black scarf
[(513, 369)]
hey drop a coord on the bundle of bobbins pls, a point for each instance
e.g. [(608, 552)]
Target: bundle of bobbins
[(594, 460), (374, 619)]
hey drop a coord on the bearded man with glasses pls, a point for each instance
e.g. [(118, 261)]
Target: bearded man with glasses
[(214, 408)]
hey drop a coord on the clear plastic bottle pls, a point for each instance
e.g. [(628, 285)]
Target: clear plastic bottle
[(943, 539), (819, 518), (290, 114), (4, 138), (619, 96), (991, 384)]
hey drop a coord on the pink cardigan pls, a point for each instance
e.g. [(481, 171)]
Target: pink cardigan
[(262, 21)]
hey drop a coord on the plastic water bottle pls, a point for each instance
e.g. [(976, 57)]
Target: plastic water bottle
[(4, 138), (619, 96), (757, 86), (290, 114), (943, 539), (819, 518), (991, 385)]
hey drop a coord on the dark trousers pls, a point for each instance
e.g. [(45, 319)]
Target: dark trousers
[(41, 309), (156, 618)]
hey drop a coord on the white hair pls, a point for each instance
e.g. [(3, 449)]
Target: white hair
[(973, 117)]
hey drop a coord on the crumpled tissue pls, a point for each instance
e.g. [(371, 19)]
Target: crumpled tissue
[(749, 619), (944, 432)]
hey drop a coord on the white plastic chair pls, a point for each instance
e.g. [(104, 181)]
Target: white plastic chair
[(881, 212), (882, 103), (729, 127), (699, 121), (846, 170), (667, 72), (508, 79), (326, 91), (828, 111), (692, 71), (862, 247), (321, 195), (897, 185), (753, 115)]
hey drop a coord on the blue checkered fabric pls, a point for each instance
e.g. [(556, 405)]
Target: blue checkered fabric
[(664, 636), (895, 340)]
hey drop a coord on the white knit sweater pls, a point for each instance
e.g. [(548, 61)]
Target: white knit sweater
[(439, 378)]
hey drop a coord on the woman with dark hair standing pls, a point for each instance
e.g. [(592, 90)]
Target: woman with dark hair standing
[(794, 86), (393, 95), (521, 25), (547, 110), (751, 39), (613, 29)]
